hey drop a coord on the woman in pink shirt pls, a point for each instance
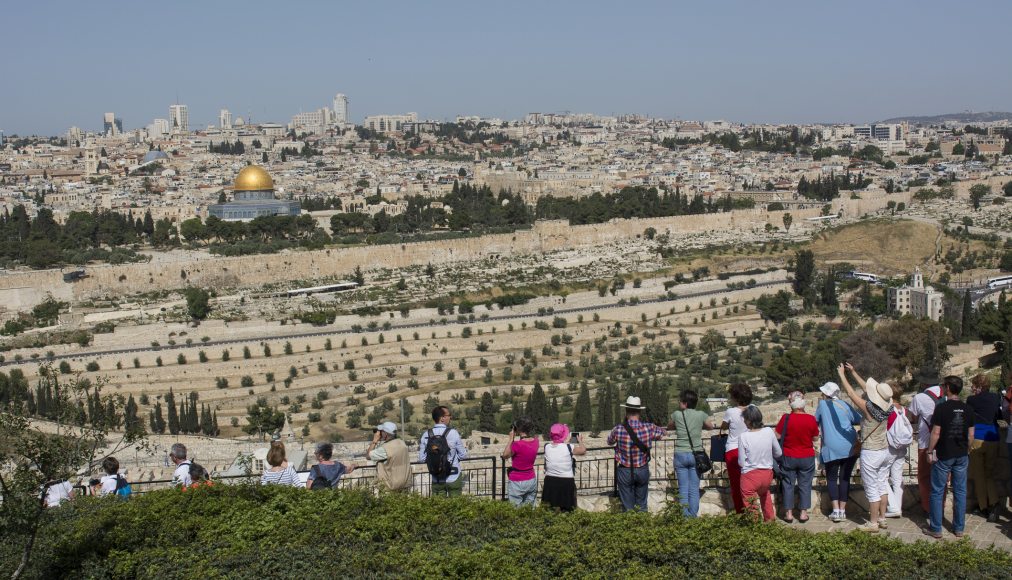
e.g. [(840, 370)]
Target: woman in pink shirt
[(523, 449)]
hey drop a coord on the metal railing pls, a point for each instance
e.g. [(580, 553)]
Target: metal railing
[(487, 476)]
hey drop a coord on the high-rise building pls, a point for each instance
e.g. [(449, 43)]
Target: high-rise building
[(341, 109), (111, 125), (179, 118), (74, 136), (158, 129), (225, 119)]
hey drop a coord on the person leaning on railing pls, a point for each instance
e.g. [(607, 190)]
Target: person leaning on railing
[(522, 447), (836, 420), (559, 491), (798, 431), (741, 395), (984, 448), (393, 466), (279, 472)]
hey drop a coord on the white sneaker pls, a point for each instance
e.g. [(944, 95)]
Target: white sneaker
[(838, 516), (870, 527), (889, 514)]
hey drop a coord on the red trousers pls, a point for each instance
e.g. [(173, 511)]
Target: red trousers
[(734, 477), (756, 485), (924, 480)]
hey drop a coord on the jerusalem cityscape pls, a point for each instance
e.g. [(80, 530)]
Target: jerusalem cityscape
[(506, 291)]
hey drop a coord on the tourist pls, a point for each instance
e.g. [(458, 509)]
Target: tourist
[(559, 492), (798, 430), (58, 492), (632, 440), (327, 472), (758, 448), (199, 477), (875, 456), (741, 398), (112, 483), (443, 461), (984, 449), (393, 467), (278, 471), (921, 409), (522, 448), (899, 436), (181, 476), (836, 419), (688, 424), (952, 426)]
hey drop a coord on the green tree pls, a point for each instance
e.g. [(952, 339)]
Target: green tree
[(537, 409), (170, 404), (583, 419), (804, 275), (486, 413), (262, 419), (358, 277), (977, 193), (197, 300), (192, 230), (788, 220)]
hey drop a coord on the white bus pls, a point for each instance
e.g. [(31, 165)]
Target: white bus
[(999, 282)]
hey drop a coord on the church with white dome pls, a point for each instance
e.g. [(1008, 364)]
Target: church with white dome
[(253, 196)]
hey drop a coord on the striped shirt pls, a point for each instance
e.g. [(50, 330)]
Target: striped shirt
[(286, 476)]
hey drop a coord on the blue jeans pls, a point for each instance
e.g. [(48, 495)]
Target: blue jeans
[(940, 472), (523, 492), (797, 474), (633, 485), (688, 483)]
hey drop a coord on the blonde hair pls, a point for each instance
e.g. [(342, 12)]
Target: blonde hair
[(276, 454)]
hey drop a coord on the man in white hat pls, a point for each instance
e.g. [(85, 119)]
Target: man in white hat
[(393, 467), (632, 440), (875, 456)]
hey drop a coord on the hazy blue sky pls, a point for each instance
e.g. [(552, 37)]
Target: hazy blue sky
[(68, 62)]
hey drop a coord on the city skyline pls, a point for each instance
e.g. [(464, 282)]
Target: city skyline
[(796, 62)]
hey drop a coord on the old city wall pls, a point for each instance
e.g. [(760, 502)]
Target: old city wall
[(20, 290)]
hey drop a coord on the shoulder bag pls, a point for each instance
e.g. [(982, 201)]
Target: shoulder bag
[(703, 463), (718, 446), (859, 442), (778, 463)]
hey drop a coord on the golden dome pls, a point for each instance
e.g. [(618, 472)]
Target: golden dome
[(253, 178)]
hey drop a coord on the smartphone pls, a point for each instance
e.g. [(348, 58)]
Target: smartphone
[(575, 438)]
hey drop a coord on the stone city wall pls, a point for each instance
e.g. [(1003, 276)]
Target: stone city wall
[(21, 290)]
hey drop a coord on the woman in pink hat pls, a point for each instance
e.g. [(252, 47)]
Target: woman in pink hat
[(559, 490)]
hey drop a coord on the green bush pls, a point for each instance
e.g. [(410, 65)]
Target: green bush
[(253, 531)]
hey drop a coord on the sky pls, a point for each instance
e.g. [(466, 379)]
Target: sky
[(65, 63)]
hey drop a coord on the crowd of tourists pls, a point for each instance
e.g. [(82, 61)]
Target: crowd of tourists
[(857, 423)]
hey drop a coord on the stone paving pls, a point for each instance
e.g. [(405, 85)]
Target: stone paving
[(908, 527)]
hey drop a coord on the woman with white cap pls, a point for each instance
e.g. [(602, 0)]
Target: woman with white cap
[(836, 419), (875, 456)]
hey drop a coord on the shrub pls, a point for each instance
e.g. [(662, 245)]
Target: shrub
[(250, 531)]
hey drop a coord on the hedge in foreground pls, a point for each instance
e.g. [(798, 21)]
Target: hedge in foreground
[(268, 532)]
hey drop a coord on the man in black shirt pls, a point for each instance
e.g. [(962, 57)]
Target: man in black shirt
[(951, 433)]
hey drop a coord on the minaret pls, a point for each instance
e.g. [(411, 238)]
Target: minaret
[(918, 278)]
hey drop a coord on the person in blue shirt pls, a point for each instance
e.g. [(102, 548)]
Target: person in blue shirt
[(836, 419)]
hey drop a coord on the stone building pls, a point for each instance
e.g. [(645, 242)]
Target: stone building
[(917, 299), (253, 196)]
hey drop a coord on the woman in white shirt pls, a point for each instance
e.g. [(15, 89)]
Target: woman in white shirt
[(758, 448), (559, 489), (279, 472), (741, 395)]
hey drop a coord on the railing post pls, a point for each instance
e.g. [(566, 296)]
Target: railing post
[(495, 473)]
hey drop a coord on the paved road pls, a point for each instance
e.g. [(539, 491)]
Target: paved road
[(332, 332)]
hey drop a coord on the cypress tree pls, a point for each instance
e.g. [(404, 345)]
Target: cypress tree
[(968, 328), (605, 419), (537, 409), (553, 412), (214, 424), (486, 413), (583, 418), (170, 403)]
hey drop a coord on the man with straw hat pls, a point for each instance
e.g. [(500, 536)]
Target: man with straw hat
[(632, 440)]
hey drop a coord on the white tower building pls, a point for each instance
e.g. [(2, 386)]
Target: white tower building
[(179, 118), (341, 109), (225, 119)]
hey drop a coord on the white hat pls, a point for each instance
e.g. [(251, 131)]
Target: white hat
[(879, 393), (387, 427), (830, 389), (632, 403)]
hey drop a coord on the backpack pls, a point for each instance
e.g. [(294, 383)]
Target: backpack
[(437, 455), (123, 488), (321, 482), (900, 433)]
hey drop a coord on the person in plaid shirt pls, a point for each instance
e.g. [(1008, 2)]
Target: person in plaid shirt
[(633, 473)]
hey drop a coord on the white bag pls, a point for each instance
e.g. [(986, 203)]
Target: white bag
[(900, 433)]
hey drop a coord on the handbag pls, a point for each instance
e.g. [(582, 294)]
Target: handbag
[(855, 450), (718, 447), (778, 463), (703, 463)]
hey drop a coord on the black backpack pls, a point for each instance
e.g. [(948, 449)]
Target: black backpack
[(320, 481), (437, 455)]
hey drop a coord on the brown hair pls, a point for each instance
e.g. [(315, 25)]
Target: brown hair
[(741, 393), (981, 383), (276, 454)]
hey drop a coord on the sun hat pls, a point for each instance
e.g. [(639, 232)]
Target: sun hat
[(387, 427), (830, 389), (559, 433), (632, 403), (879, 393)]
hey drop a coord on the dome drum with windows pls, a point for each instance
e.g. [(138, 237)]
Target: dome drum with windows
[(253, 196)]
